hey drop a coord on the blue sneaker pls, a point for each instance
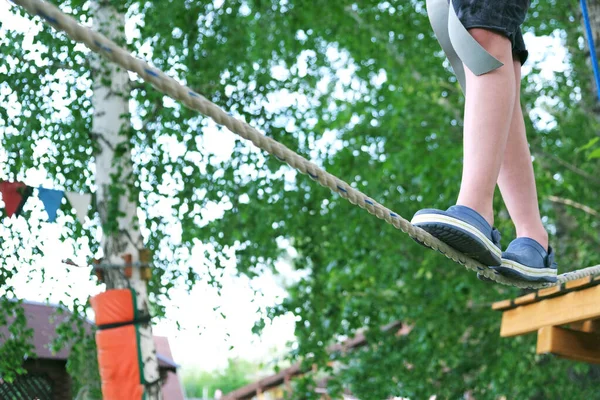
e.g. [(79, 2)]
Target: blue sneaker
[(527, 260), (465, 230)]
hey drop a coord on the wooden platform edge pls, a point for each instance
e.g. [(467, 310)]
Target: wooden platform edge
[(542, 294), (572, 307), (567, 343), (501, 305)]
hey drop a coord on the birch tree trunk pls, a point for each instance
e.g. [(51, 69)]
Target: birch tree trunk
[(118, 212)]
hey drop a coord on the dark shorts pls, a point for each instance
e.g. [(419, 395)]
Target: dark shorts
[(502, 16)]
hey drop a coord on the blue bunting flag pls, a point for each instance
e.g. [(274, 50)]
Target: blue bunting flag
[(51, 199)]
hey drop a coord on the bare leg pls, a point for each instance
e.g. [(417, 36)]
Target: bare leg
[(489, 106), (516, 179)]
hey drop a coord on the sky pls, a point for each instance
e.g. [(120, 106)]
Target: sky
[(205, 339)]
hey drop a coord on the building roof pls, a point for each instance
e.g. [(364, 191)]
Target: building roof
[(272, 381), (44, 319), (172, 389)]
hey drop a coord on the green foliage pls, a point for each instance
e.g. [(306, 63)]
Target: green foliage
[(17, 339), (594, 150), (360, 88), (82, 364), (594, 154), (238, 373)]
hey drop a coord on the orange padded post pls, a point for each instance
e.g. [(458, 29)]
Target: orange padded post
[(118, 345)]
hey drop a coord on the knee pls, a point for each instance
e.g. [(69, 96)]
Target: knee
[(497, 44)]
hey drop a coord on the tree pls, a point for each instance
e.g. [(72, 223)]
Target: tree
[(238, 373), (360, 88), (116, 200)]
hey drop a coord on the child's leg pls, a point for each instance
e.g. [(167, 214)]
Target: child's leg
[(489, 106), (516, 179)]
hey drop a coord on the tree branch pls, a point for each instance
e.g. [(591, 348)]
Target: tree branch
[(568, 166), (400, 59), (574, 204)]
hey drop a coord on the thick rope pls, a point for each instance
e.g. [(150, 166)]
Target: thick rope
[(100, 44)]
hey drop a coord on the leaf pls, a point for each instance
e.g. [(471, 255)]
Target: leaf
[(589, 144), (594, 154)]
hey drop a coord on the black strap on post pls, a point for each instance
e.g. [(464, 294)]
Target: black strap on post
[(142, 320)]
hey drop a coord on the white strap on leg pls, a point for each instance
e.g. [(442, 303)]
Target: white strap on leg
[(458, 44)]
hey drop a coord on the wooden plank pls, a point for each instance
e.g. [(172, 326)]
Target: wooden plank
[(549, 291), (502, 305), (528, 298), (572, 307), (577, 283), (591, 326), (574, 345)]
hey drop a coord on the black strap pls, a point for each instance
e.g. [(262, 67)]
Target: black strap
[(142, 320)]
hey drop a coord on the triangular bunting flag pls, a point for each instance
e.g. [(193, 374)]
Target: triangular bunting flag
[(51, 199), (81, 204), (15, 195)]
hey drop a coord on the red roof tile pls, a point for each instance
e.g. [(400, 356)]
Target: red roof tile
[(43, 319)]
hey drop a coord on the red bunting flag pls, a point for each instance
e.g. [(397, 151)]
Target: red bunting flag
[(14, 194)]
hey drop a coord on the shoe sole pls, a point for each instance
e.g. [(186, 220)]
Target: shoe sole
[(461, 236), (515, 269)]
